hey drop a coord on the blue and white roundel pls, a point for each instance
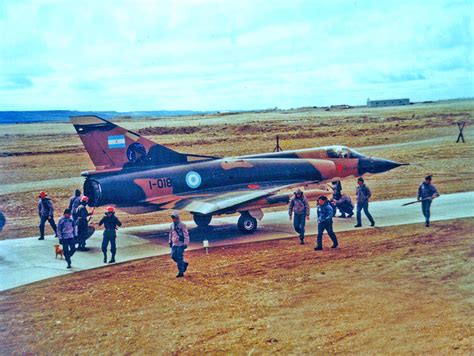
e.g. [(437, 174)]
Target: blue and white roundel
[(193, 179)]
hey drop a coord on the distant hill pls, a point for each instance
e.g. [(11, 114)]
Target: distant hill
[(10, 117)]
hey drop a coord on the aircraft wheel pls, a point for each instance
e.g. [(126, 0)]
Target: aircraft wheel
[(247, 224), (202, 220)]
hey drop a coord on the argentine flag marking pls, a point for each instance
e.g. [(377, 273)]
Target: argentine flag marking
[(116, 141)]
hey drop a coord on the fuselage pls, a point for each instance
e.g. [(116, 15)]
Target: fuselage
[(153, 188)]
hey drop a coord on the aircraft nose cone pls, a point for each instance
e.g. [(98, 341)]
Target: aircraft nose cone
[(376, 165)]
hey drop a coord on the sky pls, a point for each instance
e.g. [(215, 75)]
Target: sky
[(231, 55)]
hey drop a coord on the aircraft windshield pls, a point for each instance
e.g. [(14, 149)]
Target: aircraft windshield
[(342, 152), (338, 152)]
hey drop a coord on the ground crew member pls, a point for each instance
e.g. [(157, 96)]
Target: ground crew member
[(426, 193), (46, 213), (74, 203), (82, 224), (66, 236), (325, 213), (363, 194), (2, 221), (178, 241), (336, 187), (300, 207), (110, 222), (345, 206)]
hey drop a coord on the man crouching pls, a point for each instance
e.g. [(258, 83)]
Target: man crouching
[(178, 240)]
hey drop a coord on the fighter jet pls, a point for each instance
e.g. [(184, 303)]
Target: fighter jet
[(138, 175)]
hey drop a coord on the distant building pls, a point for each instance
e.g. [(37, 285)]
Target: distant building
[(343, 106), (387, 102)]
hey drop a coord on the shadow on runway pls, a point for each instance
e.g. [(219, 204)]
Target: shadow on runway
[(198, 234)]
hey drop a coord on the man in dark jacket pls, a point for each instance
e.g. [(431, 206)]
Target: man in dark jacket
[(66, 236), (74, 203), (46, 213), (300, 207), (110, 221), (363, 194), (325, 214), (82, 224), (426, 193)]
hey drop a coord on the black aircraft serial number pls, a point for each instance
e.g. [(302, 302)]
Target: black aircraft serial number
[(160, 183)]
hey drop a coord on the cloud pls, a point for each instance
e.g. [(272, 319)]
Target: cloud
[(196, 54), (14, 82)]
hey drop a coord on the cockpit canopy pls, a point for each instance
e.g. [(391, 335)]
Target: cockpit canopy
[(342, 152)]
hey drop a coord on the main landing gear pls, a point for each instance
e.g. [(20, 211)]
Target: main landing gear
[(202, 220), (247, 223)]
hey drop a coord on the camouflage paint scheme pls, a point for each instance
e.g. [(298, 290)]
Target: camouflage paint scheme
[(139, 175)]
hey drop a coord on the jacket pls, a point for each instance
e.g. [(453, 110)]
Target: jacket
[(45, 208), (337, 190), (178, 235), (74, 203), (363, 193), (426, 191), (344, 200), (65, 228), (299, 205), (110, 223), (82, 212), (325, 213)]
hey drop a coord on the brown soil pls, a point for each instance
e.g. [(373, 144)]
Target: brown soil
[(397, 290)]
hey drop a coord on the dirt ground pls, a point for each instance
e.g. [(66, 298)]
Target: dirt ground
[(397, 290), (50, 156)]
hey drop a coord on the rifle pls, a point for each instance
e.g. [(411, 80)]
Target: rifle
[(418, 201)]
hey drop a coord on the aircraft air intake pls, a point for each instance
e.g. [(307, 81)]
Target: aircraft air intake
[(93, 191)]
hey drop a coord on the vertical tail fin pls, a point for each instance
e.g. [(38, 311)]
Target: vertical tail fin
[(111, 146)]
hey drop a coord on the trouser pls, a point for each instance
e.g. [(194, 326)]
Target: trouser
[(69, 247), (105, 243), (42, 223), (299, 221), (425, 208), (364, 206), (177, 254), (325, 225), (346, 208), (82, 232)]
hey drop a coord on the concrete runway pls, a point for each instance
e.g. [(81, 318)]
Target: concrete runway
[(28, 260)]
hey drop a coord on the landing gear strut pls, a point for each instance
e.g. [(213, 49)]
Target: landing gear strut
[(202, 220), (247, 223)]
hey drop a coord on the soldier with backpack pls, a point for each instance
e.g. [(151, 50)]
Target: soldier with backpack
[(178, 241)]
